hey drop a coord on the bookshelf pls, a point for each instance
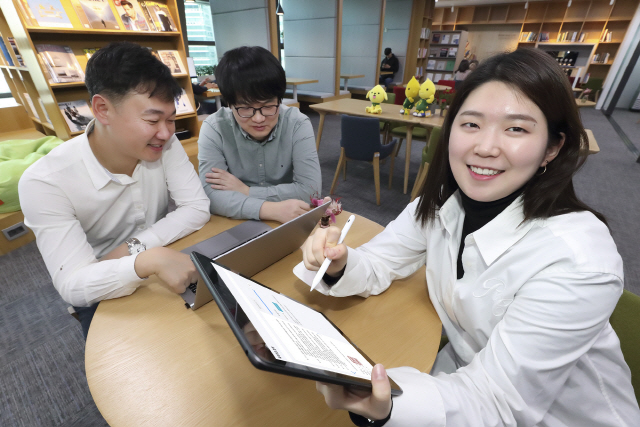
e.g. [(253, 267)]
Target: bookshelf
[(552, 18), (446, 50), (419, 39), (33, 78)]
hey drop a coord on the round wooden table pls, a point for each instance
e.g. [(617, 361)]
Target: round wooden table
[(152, 362)]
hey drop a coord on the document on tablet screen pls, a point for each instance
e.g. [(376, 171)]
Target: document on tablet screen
[(294, 332)]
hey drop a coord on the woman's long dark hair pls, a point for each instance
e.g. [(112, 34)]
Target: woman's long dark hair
[(464, 66), (536, 75)]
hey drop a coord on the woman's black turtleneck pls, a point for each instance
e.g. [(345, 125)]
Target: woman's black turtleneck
[(477, 215)]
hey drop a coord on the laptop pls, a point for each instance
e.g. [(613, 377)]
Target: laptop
[(251, 247)]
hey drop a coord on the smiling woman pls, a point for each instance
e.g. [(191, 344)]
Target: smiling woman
[(523, 275)]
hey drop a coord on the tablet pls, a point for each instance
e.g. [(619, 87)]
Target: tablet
[(281, 335)]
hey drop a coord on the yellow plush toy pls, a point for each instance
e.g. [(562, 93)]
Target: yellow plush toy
[(427, 95), (412, 91), (377, 95)]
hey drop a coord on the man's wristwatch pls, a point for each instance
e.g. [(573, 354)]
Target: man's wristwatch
[(135, 246)]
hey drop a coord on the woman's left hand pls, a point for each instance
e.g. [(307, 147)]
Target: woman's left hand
[(374, 405)]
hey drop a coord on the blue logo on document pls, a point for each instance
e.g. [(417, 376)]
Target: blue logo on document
[(278, 307)]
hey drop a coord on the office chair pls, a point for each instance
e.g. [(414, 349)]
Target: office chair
[(361, 141)]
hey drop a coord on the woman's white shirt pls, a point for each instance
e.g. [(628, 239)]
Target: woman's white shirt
[(528, 324)]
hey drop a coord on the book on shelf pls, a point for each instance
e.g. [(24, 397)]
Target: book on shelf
[(544, 36), (437, 77), (132, 16), (436, 38), (89, 51), (606, 58), (158, 14), (609, 35), (171, 58), (5, 53), (448, 77), (586, 78), (446, 39), (441, 65), (574, 36), (450, 65), (424, 34), (453, 51), (97, 14), (430, 76), (48, 13), (443, 52), (77, 114), (528, 37), (431, 64), (61, 63), (455, 39), (582, 37), (16, 51), (32, 107), (183, 104)]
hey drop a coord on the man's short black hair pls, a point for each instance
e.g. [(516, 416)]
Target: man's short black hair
[(123, 67), (250, 74), (387, 51)]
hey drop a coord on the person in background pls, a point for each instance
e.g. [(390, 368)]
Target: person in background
[(389, 64), (463, 71), (99, 203), (203, 86), (473, 64), (523, 275), (258, 157)]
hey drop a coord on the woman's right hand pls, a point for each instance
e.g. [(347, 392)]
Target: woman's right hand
[(323, 244)]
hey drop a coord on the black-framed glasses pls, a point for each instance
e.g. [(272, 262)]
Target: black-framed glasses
[(265, 110)]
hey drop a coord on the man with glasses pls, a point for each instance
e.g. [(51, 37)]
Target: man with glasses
[(257, 158)]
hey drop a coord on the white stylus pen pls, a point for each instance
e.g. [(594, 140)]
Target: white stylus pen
[(327, 261)]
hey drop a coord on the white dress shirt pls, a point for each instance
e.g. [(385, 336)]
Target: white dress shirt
[(528, 324), (79, 212)]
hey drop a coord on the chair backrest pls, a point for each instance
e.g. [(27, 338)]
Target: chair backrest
[(626, 322), (431, 146), (398, 91), (360, 137), (593, 83), (391, 98)]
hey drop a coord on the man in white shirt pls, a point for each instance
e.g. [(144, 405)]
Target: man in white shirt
[(99, 203)]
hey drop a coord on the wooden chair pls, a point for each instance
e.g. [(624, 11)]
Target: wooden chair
[(427, 158), (361, 141)]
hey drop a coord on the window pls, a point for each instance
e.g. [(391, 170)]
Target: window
[(201, 41)]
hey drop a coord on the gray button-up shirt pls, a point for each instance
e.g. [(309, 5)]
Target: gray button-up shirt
[(285, 166)]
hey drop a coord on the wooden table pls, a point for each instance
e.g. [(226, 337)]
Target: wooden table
[(593, 144), (584, 103), (152, 362), (356, 107), (213, 93), (346, 78), (293, 81)]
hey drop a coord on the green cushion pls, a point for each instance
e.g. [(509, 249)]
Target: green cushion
[(418, 132), (626, 322), (391, 98), (15, 157)]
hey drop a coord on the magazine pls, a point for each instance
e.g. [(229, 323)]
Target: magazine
[(49, 13), (90, 51), (98, 14), (441, 65), (437, 78), (443, 52), (61, 63), (455, 39), (183, 104), (28, 16), (162, 16), (171, 58), (132, 16), (445, 38), (453, 51), (77, 114), (431, 64), (436, 38)]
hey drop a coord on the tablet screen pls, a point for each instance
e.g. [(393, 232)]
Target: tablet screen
[(284, 335)]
